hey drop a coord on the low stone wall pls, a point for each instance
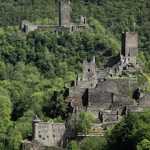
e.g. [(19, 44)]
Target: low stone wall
[(54, 28), (34, 145)]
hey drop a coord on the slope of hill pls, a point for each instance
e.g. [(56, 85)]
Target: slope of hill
[(33, 67)]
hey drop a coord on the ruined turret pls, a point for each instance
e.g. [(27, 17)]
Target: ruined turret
[(64, 13), (36, 120), (129, 46)]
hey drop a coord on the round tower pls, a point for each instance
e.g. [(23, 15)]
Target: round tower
[(35, 122)]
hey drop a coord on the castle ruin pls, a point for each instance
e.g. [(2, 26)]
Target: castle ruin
[(65, 24), (47, 134), (106, 93)]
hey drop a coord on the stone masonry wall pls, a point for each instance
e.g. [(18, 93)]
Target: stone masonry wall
[(130, 46), (58, 130), (43, 133), (102, 99), (119, 86), (48, 133)]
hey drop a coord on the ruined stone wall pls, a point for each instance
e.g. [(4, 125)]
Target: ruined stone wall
[(82, 20), (116, 70), (102, 73), (64, 13), (80, 27), (26, 27), (58, 130), (91, 83), (78, 96), (119, 86), (109, 117), (54, 28), (103, 115), (42, 131), (102, 99), (76, 91), (94, 110), (113, 94)]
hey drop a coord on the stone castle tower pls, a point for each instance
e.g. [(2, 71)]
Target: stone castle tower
[(88, 78), (64, 13), (130, 46)]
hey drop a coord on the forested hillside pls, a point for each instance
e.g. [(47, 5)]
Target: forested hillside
[(33, 67), (115, 16)]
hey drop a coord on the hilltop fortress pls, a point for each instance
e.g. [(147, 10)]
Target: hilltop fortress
[(106, 93), (65, 24)]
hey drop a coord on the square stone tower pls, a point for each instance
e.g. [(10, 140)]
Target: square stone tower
[(130, 46), (64, 13)]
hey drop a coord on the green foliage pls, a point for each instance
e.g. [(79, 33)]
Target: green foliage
[(73, 145), (32, 68), (144, 145), (120, 136), (24, 124), (5, 122), (142, 80), (14, 138), (94, 143), (84, 122), (130, 132), (2, 31)]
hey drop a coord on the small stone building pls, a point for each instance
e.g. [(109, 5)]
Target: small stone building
[(48, 133)]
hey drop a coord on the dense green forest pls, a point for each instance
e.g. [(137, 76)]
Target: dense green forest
[(35, 68)]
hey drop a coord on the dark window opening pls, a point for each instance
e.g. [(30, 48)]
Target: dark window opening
[(39, 136), (85, 98), (112, 97), (84, 21), (53, 135), (88, 70), (43, 138)]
